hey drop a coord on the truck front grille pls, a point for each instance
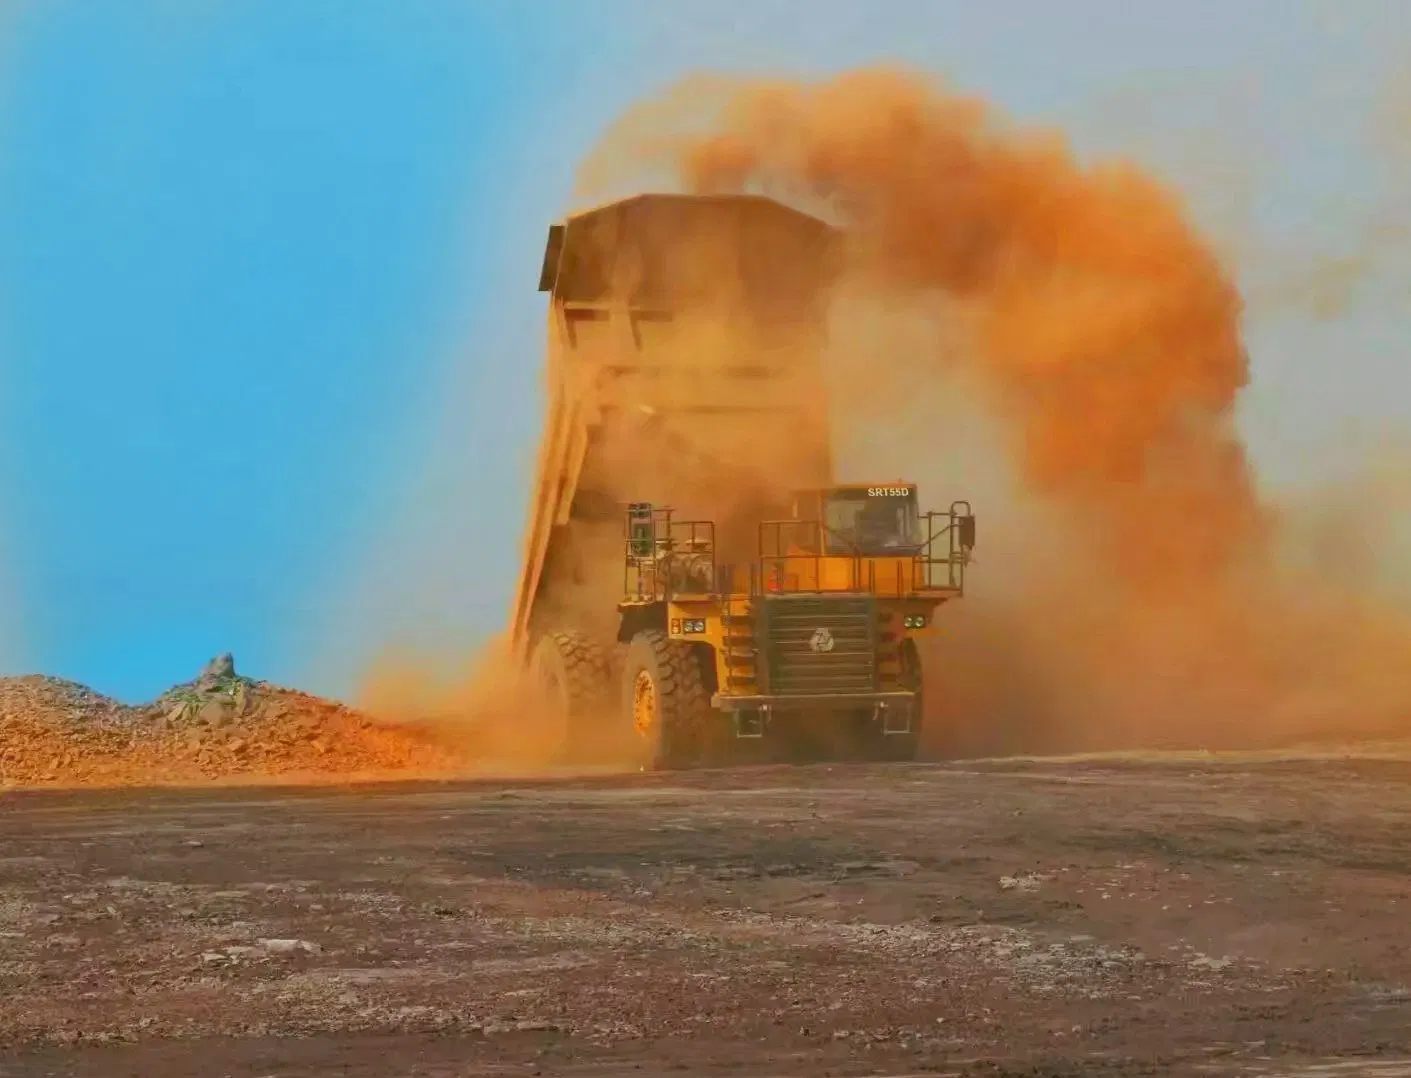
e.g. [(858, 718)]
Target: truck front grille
[(819, 645)]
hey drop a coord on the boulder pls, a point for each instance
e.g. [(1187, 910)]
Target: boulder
[(217, 713)]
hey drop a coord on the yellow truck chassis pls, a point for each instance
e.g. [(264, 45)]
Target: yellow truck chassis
[(796, 631)]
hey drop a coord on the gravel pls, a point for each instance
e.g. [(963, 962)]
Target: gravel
[(220, 724)]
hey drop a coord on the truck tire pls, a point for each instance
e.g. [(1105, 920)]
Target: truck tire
[(665, 701), (904, 746), (574, 673)]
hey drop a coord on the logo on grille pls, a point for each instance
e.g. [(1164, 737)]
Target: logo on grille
[(821, 640)]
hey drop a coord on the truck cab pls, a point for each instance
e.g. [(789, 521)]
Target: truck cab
[(860, 536), (874, 520)]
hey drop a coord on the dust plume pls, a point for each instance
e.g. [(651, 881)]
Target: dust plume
[(671, 428), (484, 711), (1133, 588)]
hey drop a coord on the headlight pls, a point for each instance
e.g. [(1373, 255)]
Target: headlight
[(914, 621), (693, 625)]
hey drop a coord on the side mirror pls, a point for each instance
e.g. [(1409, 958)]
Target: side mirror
[(966, 524)]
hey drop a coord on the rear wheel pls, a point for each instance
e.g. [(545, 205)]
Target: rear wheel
[(572, 671), (666, 702)]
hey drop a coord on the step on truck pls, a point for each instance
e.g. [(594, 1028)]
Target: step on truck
[(696, 584)]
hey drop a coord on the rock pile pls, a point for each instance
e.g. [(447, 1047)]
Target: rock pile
[(218, 725)]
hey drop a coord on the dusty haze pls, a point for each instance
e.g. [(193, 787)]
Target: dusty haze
[(1058, 344)]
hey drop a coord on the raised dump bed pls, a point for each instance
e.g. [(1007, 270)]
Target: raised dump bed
[(684, 340)]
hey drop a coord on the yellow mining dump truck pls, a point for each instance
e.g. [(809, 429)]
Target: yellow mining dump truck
[(694, 579)]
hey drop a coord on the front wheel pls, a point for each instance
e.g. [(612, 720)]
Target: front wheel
[(666, 701), (903, 746)]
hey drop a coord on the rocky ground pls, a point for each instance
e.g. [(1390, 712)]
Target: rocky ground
[(1165, 916), (220, 725)]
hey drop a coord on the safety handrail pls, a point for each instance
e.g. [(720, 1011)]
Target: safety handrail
[(667, 557), (930, 568)]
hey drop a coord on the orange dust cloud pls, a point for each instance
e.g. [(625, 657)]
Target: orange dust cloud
[(1133, 589)]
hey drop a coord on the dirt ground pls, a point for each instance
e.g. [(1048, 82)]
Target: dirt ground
[(1178, 915)]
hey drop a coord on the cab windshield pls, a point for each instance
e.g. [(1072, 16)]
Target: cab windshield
[(872, 520)]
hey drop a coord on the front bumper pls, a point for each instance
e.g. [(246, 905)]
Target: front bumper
[(828, 701)]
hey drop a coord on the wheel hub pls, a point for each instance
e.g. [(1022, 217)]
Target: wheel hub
[(644, 703)]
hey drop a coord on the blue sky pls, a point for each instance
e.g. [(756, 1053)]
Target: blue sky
[(269, 339)]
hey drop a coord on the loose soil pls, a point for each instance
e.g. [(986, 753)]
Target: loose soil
[(1168, 915), (216, 728)]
